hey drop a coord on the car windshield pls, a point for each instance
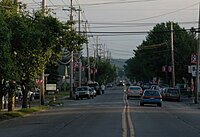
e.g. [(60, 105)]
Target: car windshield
[(82, 89), (151, 93), (134, 88), (92, 88), (172, 91), (93, 85)]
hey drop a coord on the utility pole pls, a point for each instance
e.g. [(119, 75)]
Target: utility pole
[(97, 49), (94, 68), (42, 75), (104, 52), (100, 52), (107, 55), (72, 57), (44, 7), (172, 50), (79, 52), (198, 61), (88, 56), (16, 2)]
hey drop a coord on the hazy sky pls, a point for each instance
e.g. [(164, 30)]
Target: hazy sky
[(124, 16)]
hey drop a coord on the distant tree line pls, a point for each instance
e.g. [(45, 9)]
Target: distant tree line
[(106, 71), (155, 52)]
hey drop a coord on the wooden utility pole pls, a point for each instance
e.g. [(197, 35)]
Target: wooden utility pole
[(198, 61), (44, 7), (42, 75), (94, 66), (79, 52), (72, 56), (88, 56), (172, 50), (104, 52)]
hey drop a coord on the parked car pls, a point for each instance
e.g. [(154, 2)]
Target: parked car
[(134, 91), (120, 83), (83, 92), (151, 97), (95, 92), (182, 88), (172, 93), (96, 87), (146, 86), (154, 87), (37, 93), (162, 92), (19, 95), (109, 85), (92, 92), (128, 84)]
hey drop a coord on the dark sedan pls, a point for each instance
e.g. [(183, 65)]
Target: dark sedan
[(151, 97)]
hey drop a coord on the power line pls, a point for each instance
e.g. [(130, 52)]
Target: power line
[(120, 50), (118, 2), (156, 16)]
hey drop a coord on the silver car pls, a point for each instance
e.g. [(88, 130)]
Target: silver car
[(134, 91), (83, 92), (94, 91)]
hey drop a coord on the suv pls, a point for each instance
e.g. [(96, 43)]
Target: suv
[(83, 92), (172, 93), (96, 87)]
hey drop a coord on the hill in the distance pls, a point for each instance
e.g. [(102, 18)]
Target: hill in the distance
[(119, 62)]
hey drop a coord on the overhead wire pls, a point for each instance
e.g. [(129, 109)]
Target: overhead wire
[(122, 33), (164, 14), (116, 2)]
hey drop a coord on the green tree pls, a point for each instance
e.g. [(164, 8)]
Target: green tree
[(8, 69), (37, 40), (155, 52), (106, 72), (5, 57)]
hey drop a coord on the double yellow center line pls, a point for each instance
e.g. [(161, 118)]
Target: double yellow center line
[(127, 125)]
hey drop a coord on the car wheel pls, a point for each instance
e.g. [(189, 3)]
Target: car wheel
[(88, 97), (141, 104), (179, 100), (128, 97), (159, 104), (77, 98), (31, 98)]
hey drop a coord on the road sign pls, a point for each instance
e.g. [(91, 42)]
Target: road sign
[(163, 68), (193, 70), (194, 58), (39, 81)]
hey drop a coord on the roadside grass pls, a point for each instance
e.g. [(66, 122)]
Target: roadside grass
[(58, 95), (21, 112), (56, 99), (53, 100)]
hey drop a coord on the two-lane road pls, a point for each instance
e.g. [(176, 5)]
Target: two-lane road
[(108, 115)]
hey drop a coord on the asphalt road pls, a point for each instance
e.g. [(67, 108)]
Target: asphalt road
[(108, 115)]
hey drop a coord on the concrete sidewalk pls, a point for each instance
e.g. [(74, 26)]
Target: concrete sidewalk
[(190, 102)]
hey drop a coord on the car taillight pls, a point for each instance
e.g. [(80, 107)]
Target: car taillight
[(129, 90), (141, 91)]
